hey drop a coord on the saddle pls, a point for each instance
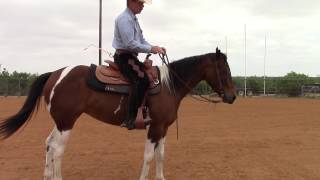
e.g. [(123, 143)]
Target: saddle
[(110, 79), (112, 75)]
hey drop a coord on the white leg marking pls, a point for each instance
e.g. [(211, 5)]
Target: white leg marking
[(148, 156), (55, 145), (159, 156), (63, 74)]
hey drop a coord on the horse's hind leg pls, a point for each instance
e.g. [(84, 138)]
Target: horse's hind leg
[(55, 145)]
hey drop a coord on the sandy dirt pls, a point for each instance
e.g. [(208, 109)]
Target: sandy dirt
[(253, 139)]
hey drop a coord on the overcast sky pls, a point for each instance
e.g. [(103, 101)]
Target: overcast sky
[(44, 35)]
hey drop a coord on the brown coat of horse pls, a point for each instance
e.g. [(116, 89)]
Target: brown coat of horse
[(68, 95)]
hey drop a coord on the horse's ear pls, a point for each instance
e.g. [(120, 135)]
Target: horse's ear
[(218, 52)]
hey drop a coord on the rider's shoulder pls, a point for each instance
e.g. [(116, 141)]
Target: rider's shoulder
[(124, 17), (122, 20)]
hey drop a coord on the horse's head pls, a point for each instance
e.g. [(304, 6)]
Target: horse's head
[(218, 76)]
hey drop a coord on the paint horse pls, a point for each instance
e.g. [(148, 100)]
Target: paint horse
[(68, 95)]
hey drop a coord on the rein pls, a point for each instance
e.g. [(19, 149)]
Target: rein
[(165, 60)]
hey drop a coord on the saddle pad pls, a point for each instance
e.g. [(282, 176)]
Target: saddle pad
[(94, 83)]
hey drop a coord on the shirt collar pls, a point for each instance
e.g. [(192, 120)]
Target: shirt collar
[(128, 11)]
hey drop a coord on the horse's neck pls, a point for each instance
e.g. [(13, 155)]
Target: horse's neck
[(186, 85), (182, 92)]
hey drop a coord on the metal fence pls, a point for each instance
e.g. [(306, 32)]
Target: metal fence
[(310, 90), (14, 87), (255, 87)]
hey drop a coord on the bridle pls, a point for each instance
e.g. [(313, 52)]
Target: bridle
[(165, 60), (220, 88)]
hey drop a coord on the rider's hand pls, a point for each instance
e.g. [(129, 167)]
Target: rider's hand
[(158, 50), (164, 49)]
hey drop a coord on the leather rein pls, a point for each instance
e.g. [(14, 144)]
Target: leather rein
[(165, 60)]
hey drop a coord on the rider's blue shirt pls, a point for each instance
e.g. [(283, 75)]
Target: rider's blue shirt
[(128, 34)]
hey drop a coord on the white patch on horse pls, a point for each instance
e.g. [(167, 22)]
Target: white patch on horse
[(55, 145), (62, 75), (119, 107), (148, 156), (165, 77), (159, 156)]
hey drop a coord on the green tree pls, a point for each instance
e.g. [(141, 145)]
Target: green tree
[(15, 83), (255, 84), (291, 84)]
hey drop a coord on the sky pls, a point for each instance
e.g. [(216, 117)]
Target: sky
[(38, 36)]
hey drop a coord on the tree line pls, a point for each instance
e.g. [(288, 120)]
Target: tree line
[(288, 85), (18, 83)]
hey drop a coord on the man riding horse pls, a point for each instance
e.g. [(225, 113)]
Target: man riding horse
[(129, 42)]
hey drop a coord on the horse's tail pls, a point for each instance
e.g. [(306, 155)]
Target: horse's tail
[(10, 125)]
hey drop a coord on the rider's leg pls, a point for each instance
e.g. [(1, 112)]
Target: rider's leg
[(133, 69), (139, 89)]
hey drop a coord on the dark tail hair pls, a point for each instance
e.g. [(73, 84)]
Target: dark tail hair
[(10, 125)]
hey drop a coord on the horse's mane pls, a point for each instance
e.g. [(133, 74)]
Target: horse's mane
[(180, 71)]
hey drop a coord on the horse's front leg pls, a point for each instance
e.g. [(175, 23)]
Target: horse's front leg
[(159, 156), (152, 149), (154, 143), (148, 156)]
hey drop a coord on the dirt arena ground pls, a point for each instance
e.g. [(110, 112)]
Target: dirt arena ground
[(253, 139)]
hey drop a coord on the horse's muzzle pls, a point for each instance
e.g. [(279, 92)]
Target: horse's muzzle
[(229, 98)]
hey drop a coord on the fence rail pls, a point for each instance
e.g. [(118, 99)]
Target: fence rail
[(14, 87), (274, 86)]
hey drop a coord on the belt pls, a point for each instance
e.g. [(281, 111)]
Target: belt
[(123, 51)]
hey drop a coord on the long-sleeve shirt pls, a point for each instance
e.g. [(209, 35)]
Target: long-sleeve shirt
[(128, 34)]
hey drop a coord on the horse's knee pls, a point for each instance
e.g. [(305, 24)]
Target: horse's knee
[(156, 134), (160, 150), (148, 157), (149, 150), (56, 142), (160, 156), (57, 152)]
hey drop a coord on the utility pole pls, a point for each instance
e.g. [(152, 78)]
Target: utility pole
[(264, 65), (100, 32), (245, 60)]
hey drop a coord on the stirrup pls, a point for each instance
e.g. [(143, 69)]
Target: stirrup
[(123, 124), (129, 126)]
